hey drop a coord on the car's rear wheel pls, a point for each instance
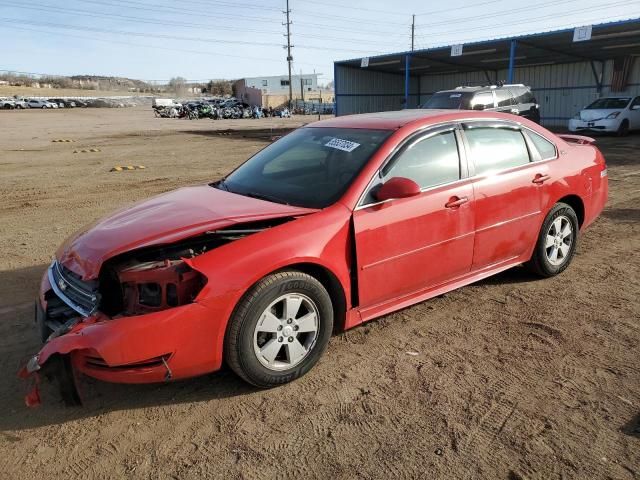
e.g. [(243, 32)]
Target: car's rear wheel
[(279, 329), (623, 129), (556, 243)]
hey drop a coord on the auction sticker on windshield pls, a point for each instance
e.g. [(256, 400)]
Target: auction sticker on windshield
[(344, 145)]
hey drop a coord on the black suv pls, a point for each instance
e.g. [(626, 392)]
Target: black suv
[(516, 99)]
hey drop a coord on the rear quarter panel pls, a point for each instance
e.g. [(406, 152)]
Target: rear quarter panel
[(578, 171)]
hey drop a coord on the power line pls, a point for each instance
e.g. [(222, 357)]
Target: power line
[(585, 10), (499, 14), (86, 13), (522, 32), (154, 47), (174, 37), (455, 9), (167, 9)]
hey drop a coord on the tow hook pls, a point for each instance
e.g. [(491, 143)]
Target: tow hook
[(168, 375), (33, 364)]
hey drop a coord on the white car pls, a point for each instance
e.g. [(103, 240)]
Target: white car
[(35, 103), (609, 114), (7, 103), (21, 103)]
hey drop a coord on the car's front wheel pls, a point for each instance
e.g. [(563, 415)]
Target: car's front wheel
[(279, 329), (623, 129), (557, 241)]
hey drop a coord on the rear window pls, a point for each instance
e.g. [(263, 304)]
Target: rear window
[(608, 103), (546, 149), (449, 101), (494, 149)]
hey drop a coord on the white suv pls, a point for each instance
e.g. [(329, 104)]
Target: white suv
[(608, 114)]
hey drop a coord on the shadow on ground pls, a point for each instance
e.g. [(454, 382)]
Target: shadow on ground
[(19, 342)]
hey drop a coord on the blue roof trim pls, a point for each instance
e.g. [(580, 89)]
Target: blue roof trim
[(481, 42)]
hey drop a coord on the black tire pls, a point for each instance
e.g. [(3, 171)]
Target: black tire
[(239, 340), (540, 263), (44, 107), (623, 129)]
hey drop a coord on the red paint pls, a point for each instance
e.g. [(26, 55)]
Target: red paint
[(398, 187), (406, 249)]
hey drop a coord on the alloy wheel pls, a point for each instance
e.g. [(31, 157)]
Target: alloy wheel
[(286, 331), (558, 240)]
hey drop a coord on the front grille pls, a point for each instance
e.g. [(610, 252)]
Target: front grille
[(78, 294)]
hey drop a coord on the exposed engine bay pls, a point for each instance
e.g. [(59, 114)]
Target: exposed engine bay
[(141, 281)]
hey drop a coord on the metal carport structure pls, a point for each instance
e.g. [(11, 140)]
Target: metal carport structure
[(564, 74)]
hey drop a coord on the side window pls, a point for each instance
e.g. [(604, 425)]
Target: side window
[(494, 149), (546, 149), (518, 95), (527, 97), (503, 97), (428, 162), (485, 99), (635, 103)]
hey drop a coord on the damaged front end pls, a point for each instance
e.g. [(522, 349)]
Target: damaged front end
[(121, 326)]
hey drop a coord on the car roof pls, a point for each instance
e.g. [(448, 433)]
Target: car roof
[(400, 118)]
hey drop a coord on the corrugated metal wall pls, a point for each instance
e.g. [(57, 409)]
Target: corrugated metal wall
[(562, 90), (365, 90)]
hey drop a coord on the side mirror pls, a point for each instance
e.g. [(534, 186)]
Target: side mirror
[(397, 187), (636, 107), (478, 106)]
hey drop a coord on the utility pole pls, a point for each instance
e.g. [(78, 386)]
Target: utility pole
[(289, 57), (413, 31)]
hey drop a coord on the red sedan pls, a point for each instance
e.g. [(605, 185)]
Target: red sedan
[(336, 223)]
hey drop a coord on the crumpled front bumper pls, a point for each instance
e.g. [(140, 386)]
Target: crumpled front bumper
[(157, 347), (601, 125)]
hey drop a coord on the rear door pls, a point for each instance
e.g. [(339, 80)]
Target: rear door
[(409, 244), (507, 187)]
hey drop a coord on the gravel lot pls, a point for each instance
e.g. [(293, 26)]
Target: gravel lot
[(512, 377)]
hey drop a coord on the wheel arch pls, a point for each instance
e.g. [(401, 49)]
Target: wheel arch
[(330, 281), (575, 202)]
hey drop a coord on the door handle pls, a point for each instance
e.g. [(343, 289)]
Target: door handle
[(515, 111), (540, 178), (455, 202)]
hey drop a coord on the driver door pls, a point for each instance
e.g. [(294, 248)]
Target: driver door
[(410, 244)]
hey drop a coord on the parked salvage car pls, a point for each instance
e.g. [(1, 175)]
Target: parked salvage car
[(336, 223), (516, 99), (36, 103), (7, 103), (616, 115), (63, 102), (20, 103)]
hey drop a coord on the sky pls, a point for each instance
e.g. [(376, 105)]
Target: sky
[(156, 40)]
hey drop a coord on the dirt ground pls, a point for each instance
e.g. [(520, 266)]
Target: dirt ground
[(512, 377)]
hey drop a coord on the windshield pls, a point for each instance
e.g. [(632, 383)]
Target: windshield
[(310, 167), (449, 100), (608, 103)]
